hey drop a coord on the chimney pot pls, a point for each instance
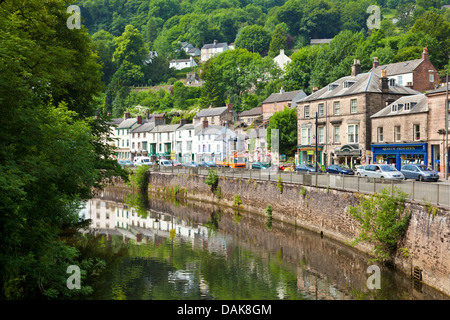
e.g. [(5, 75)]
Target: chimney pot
[(215, 42), (356, 68), (384, 81), (315, 89), (425, 53), (126, 115), (205, 124), (139, 119), (375, 63), (183, 121)]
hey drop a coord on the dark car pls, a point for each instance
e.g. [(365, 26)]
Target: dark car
[(339, 170), (259, 165), (306, 168), (419, 172), (203, 164)]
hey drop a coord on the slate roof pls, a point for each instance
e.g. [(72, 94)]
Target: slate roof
[(398, 68), (252, 112), (440, 89), (165, 128), (127, 123), (145, 127), (421, 105), (211, 112), (115, 121), (363, 83), (212, 45), (187, 126), (286, 96)]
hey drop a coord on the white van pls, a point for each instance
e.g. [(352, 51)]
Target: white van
[(139, 161)]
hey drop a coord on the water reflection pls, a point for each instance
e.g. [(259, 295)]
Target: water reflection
[(189, 250)]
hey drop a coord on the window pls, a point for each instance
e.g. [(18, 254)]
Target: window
[(321, 112), (337, 107), (407, 106), (190, 133), (321, 134), (431, 77), (394, 107), (348, 84), (397, 134), (337, 134), (400, 80), (392, 82), (353, 106), (417, 132), (332, 86), (306, 111), (306, 136), (132, 145), (380, 134), (353, 132)]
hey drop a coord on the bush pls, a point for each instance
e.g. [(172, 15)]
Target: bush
[(384, 220)]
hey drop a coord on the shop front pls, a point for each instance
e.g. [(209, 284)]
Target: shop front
[(349, 155), (400, 154), (306, 154)]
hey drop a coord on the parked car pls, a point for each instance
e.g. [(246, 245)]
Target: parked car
[(202, 164), (176, 163), (291, 169), (139, 161), (190, 164), (334, 168), (306, 168), (127, 162), (259, 165), (211, 164), (360, 170), (165, 163), (384, 171), (419, 172)]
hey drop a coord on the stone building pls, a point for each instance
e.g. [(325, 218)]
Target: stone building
[(247, 117), (278, 101), (436, 133), (399, 132), (344, 108), (419, 74), (216, 116)]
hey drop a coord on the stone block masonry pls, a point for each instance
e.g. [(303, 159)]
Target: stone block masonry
[(325, 211)]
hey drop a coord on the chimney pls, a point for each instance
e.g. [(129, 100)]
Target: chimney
[(126, 115), (409, 85), (183, 121), (281, 51), (139, 119), (215, 42), (282, 90), (384, 81), (230, 107), (375, 63), (356, 68), (147, 114), (204, 124), (425, 54), (315, 89)]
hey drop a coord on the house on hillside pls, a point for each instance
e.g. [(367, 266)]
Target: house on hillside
[(247, 117), (282, 60), (220, 116), (344, 108), (213, 49), (180, 64), (278, 101), (418, 74)]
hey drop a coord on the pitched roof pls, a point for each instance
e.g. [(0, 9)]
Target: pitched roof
[(440, 89), (398, 68), (285, 96), (418, 104), (145, 127), (320, 41), (127, 123), (165, 128), (214, 45), (211, 112), (252, 112), (115, 121), (187, 126), (362, 83)]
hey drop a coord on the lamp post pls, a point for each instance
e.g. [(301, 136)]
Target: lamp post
[(446, 128), (317, 140)]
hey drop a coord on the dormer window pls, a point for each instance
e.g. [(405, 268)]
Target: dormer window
[(348, 84), (332, 86), (413, 104), (407, 106), (392, 82), (394, 108)]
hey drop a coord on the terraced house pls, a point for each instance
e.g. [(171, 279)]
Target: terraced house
[(344, 108)]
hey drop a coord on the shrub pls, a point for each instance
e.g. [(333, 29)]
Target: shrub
[(384, 220), (280, 184)]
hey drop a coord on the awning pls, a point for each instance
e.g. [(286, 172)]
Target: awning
[(350, 150)]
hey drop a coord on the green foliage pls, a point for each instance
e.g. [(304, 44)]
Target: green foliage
[(254, 38), (53, 154), (268, 212), (237, 200), (383, 219), (286, 122), (212, 179), (280, 184)]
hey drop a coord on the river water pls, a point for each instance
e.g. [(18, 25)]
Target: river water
[(178, 249)]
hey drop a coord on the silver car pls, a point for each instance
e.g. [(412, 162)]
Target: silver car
[(419, 172), (383, 171)]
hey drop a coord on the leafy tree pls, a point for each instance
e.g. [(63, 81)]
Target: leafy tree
[(286, 122), (278, 41), (53, 153), (130, 47), (253, 38)]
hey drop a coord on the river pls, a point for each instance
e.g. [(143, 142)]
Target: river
[(183, 249)]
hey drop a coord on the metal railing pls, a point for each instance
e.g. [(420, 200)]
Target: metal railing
[(422, 192)]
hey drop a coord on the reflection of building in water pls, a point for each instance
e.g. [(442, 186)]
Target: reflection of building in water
[(117, 218)]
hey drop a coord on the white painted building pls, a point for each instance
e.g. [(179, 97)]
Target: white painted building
[(211, 50), (180, 64), (162, 141), (282, 60), (184, 136), (213, 143)]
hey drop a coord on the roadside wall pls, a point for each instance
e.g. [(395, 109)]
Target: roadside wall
[(326, 211)]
